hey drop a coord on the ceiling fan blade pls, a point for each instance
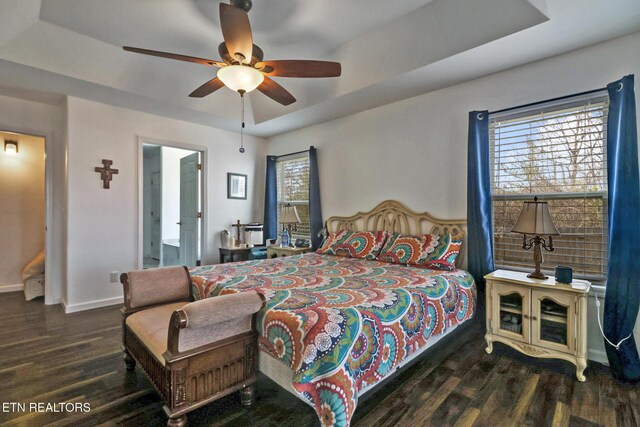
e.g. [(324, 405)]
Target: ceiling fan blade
[(300, 68), (236, 31), (276, 92), (207, 88), (175, 56)]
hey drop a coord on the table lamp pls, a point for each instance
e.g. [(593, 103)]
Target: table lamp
[(290, 217), (536, 221)]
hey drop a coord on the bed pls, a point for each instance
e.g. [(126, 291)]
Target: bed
[(334, 327)]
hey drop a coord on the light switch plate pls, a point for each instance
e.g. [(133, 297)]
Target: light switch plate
[(113, 276)]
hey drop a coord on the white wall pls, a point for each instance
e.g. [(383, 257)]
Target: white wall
[(103, 224), (22, 206), (415, 150), (46, 120)]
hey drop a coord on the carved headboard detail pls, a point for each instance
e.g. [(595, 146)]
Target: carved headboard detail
[(391, 215)]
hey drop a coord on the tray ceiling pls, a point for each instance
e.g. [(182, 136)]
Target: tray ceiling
[(389, 50)]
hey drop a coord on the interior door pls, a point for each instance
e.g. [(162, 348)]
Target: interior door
[(156, 214), (511, 308), (189, 209)]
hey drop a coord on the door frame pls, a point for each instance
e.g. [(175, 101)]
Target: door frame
[(52, 264), (204, 249)]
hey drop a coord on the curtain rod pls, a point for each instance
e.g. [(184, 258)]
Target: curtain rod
[(291, 154), (560, 98)]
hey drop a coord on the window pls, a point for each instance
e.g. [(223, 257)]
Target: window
[(293, 187), (558, 153)]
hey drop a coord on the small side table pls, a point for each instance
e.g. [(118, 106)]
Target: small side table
[(277, 251), (234, 254), (540, 318)]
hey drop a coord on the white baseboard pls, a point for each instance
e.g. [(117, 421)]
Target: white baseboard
[(597, 356), (72, 308), (11, 288)]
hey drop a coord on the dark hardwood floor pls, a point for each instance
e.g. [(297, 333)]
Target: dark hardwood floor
[(47, 356)]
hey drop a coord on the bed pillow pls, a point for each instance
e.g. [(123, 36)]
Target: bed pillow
[(330, 240), (434, 251), (445, 254), (407, 249), (354, 244)]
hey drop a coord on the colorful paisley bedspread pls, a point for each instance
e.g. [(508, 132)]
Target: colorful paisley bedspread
[(342, 324)]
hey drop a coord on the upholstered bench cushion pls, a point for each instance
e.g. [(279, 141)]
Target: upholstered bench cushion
[(151, 326)]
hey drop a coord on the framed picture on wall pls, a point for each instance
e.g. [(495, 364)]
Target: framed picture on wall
[(236, 186)]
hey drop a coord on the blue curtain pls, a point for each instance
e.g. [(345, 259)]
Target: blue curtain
[(623, 277), (315, 207), (271, 201), (479, 224)]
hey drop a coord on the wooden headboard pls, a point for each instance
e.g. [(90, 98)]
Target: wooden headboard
[(391, 215)]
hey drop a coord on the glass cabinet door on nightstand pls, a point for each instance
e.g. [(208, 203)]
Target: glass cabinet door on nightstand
[(511, 311), (553, 321)]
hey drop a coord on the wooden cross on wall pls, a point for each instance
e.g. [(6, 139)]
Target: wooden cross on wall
[(106, 173)]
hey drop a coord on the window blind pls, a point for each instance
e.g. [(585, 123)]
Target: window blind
[(558, 153), (293, 187)]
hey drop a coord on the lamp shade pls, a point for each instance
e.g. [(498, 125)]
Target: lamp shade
[(535, 219), (289, 215), (240, 77)]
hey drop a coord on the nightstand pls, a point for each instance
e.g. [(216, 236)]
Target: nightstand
[(234, 254), (277, 251), (540, 318)]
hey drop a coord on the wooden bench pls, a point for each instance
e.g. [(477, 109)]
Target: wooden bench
[(193, 352)]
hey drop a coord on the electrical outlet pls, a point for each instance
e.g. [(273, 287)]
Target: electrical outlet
[(113, 276)]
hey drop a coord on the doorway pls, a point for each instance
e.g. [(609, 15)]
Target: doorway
[(172, 184), (23, 213)]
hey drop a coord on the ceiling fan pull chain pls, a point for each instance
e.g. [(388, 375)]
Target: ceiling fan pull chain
[(242, 119)]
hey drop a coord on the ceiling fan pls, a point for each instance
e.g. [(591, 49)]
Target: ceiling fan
[(242, 68)]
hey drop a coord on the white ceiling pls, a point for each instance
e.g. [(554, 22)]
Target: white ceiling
[(390, 50), (284, 28)]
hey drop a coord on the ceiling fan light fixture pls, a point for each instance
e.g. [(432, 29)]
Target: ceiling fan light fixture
[(240, 77)]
